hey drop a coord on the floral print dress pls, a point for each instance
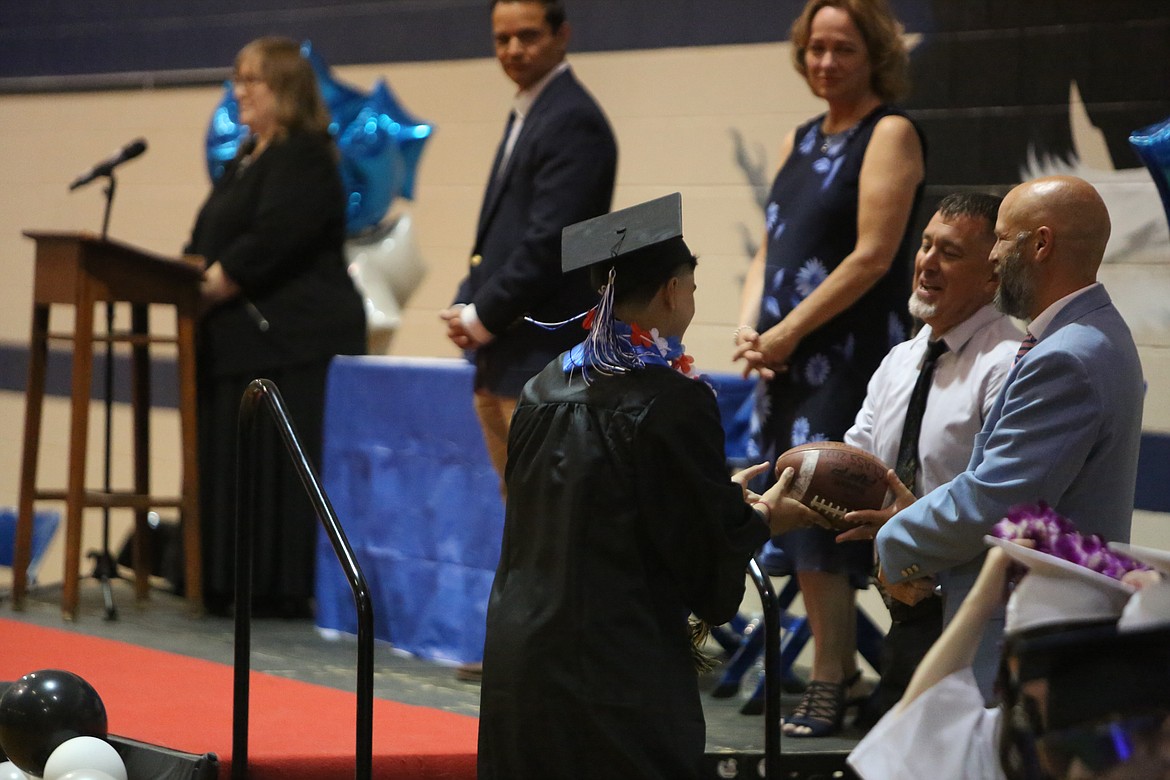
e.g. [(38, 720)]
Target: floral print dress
[(811, 225)]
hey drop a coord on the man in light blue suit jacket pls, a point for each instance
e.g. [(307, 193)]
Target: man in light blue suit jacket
[(1067, 424)]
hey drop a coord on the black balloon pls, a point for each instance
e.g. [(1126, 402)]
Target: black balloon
[(44, 709)]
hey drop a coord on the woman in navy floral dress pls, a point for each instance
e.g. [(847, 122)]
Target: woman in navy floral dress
[(825, 297)]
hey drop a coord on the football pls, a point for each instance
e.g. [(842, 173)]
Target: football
[(834, 478)]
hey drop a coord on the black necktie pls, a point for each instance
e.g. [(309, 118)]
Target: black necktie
[(907, 465), (501, 153)]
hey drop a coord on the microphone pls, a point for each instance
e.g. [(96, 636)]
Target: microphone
[(106, 167)]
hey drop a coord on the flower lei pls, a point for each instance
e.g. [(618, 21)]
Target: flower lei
[(1056, 535), (626, 347)]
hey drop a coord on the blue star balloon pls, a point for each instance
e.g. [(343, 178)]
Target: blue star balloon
[(411, 133), (344, 102), (380, 142), (1153, 146), (372, 167), (224, 133)]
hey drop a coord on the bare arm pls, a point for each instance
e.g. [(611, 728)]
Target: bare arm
[(746, 337), (890, 173)]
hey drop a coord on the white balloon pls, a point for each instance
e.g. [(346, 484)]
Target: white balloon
[(10, 771), (85, 754), (387, 267)]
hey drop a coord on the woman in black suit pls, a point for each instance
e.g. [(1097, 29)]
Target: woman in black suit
[(279, 305)]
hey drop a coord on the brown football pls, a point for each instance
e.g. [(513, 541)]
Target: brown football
[(834, 478)]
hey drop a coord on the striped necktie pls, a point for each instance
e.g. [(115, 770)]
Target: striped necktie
[(1025, 346)]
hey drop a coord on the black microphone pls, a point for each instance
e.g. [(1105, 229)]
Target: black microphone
[(106, 167)]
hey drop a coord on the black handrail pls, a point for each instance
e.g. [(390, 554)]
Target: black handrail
[(258, 391), (771, 669)]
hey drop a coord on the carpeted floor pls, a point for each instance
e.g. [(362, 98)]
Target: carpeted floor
[(298, 729)]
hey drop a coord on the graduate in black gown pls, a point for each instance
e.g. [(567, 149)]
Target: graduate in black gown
[(621, 523), (280, 304)]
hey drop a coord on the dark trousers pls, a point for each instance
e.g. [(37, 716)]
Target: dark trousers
[(912, 632)]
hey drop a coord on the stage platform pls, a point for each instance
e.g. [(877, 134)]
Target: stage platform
[(296, 650)]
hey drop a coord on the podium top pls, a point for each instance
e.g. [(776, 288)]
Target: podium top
[(194, 263), (109, 270)]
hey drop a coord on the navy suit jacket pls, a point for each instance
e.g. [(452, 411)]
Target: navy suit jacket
[(1065, 429), (561, 171)]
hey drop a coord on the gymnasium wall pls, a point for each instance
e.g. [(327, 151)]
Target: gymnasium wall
[(699, 93)]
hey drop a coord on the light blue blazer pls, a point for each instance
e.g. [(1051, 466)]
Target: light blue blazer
[(1065, 429)]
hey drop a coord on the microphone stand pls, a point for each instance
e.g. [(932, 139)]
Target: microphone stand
[(105, 568)]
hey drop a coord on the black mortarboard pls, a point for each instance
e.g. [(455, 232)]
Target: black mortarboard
[(649, 230), (629, 254), (1097, 673)]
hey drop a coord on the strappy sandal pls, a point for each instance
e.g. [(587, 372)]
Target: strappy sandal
[(821, 711)]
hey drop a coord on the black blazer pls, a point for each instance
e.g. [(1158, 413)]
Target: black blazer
[(277, 226), (561, 171)]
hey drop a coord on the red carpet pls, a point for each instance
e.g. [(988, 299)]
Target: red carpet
[(298, 730)]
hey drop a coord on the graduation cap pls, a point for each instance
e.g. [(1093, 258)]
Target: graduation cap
[(630, 254), (1056, 592), (1150, 606), (643, 243), (1100, 672), (1064, 618)]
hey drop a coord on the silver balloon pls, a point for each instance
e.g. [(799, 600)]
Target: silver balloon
[(387, 268)]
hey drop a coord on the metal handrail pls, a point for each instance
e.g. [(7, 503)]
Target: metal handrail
[(771, 669), (259, 391)]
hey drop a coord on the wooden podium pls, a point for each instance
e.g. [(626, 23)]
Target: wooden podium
[(82, 270)]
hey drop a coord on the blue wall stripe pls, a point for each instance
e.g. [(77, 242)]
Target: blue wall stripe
[(164, 383), (1153, 484), (178, 41)]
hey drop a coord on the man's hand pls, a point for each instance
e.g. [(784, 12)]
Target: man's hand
[(870, 521), (456, 331), (908, 591)]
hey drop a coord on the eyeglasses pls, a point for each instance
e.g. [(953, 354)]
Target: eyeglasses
[(248, 81)]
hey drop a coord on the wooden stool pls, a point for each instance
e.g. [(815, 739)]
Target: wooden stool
[(82, 270)]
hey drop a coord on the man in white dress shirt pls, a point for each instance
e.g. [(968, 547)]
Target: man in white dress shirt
[(1067, 426), (954, 285)]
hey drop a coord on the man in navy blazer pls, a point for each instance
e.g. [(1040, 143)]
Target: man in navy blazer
[(1066, 427), (555, 167)]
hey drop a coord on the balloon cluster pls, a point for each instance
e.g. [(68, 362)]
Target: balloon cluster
[(380, 142), (53, 726), (1153, 145)]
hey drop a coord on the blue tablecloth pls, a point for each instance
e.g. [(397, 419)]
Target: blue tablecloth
[(406, 470)]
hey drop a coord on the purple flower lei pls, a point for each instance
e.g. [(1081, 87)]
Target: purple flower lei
[(1056, 535)]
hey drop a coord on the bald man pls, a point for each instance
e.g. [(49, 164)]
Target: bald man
[(1066, 426)]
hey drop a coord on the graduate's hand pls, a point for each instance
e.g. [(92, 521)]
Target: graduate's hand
[(870, 521), (742, 478), (786, 513)]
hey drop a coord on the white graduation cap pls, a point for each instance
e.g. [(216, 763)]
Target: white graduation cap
[(1150, 606), (1058, 592)]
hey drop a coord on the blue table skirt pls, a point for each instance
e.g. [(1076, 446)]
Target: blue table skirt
[(406, 470)]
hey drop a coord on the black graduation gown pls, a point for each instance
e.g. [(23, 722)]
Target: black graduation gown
[(621, 522)]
